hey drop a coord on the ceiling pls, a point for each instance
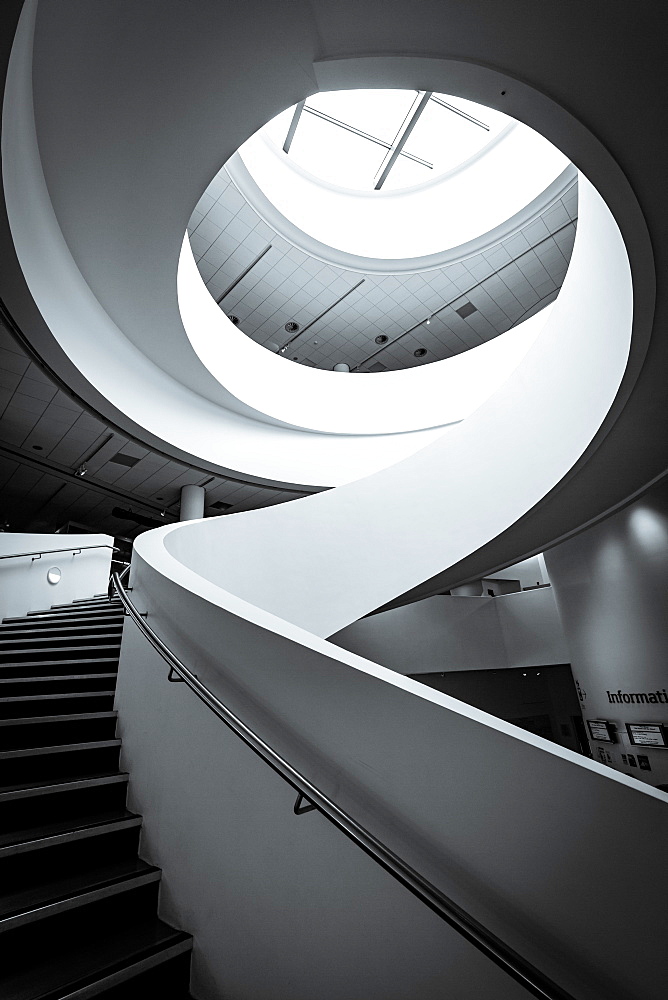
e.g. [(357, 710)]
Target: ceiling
[(46, 435), (265, 281)]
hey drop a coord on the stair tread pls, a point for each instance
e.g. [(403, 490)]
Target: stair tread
[(74, 717), (58, 889), (74, 824), (30, 637), (60, 694), (53, 677), (52, 975), (80, 661), (46, 632), (64, 784), (78, 649), (58, 748)]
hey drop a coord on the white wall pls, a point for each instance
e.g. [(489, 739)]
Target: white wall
[(529, 572), (462, 633), (325, 561), (23, 583), (532, 838), (611, 585)]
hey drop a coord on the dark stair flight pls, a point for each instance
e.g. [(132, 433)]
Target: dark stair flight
[(78, 908)]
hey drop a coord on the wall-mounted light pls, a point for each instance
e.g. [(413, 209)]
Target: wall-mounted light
[(53, 575)]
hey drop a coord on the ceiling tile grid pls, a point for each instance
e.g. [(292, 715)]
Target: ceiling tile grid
[(46, 436), (286, 285)]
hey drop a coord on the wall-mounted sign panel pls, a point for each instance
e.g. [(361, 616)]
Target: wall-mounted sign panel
[(601, 731), (651, 734)]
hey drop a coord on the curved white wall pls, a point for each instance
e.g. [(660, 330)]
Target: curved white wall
[(324, 561)]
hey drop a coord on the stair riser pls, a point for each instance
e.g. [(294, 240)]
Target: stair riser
[(49, 734), (65, 652), (52, 669), (21, 687), (53, 706), (10, 646), (19, 814), (64, 765), (39, 618), (30, 868), (169, 981), (51, 935)]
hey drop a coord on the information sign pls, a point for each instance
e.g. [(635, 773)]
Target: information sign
[(649, 734), (600, 730)]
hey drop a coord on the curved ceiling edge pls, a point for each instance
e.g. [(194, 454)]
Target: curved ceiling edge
[(242, 178)]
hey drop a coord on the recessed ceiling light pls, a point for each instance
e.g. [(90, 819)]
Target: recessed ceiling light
[(420, 353), (233, 319), (37, 447), (220, 505), (292, 327), (466, 310), (381, 338)]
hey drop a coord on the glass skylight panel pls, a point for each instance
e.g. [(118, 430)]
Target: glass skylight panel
[(446, 139), (377, 112), (334, 154), (325, 142)]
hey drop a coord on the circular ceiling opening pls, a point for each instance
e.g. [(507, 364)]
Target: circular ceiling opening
[(399, 171), (372, 140)]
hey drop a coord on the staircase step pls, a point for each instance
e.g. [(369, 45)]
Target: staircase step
[(75, 637), (60, 668), (72, 829), (47, 614), (58, 894), (39, 764), (56, 653), (52, 730), (44, 684), (56, 622), (45, 630), (89, 968), (10, 793), (46, 704)]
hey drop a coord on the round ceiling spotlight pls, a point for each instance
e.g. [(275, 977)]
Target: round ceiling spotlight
[(292, 327), (234, 319), (341, 367), (420, 353), (382, 338)]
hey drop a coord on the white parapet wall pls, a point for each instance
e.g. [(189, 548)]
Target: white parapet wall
[(530, 837), (29, 562)]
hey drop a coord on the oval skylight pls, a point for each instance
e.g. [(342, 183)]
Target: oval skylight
[(392, 175), (383, 139)]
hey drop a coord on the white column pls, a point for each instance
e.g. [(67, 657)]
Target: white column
[(192, 503)]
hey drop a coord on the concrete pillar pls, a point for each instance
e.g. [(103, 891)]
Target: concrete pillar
[(192, 503), (611, 585)]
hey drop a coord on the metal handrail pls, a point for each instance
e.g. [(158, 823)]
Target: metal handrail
[(537, 984), (76, 549)]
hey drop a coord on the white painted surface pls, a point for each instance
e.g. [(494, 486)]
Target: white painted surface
[(412, 399), (23, 581), (462, 633), (192, 502), (531, 837), (474, 198), (325, 561), (611, 585)]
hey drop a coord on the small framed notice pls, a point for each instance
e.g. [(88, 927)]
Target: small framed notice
[(647, 734), (600, 731)]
